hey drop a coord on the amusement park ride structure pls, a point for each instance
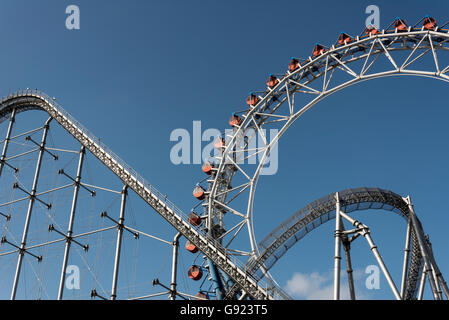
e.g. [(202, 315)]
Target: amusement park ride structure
[(227, 195)]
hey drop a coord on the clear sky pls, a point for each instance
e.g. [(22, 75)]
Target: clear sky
[(136, 70)]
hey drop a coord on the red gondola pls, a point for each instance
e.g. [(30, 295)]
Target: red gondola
[(400, 24), (194, 219), (344, 39), (199, 192), (429, 23), (293, 64), (371, 30), (235, 120), (318, 50), (191, 247), (207, 167), (252, 100), (201, 296), (220, 143), (195, 273), (272, 81)]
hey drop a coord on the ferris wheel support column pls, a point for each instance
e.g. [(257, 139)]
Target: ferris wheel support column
[(337, 256), (30, 208), (118, 246), (71, 221), (428, 270), (6, 142)]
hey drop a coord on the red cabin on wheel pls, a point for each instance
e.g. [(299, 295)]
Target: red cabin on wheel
[(199, 192), (220, 143), (194, 219), (252, 100), (400, 24), (429, 23), (344, 39), (207, 167), (293, 64), (272, 81), (201, 296), (195, 273), (371, 30), (191, 247), (318, 50), (235, 120)]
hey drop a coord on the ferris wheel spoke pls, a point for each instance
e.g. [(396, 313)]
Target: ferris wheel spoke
[(302, 85), (231, 210), (231, 229), (417, 46), (236, 233), (387, 54), (238, 167), (238, 193), (244, 186), (435, 58), (342, 66)]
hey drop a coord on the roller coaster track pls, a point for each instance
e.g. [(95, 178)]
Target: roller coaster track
[(32, 99), (288, 233)]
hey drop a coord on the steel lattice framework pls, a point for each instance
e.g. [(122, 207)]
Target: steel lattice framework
[(277, 107), (393, 52), (28, 100)]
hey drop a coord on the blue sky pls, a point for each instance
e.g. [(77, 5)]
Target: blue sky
[(137, 70)]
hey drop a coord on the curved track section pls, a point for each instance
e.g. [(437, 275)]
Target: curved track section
[(32, 99), (320, 211)]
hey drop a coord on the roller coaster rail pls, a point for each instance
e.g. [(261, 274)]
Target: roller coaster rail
[(34, 99)]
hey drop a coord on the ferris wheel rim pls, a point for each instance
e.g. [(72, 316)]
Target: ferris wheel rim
[(283, 82)]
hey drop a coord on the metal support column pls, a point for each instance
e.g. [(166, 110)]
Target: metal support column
[(30, 208), (436, 271), (422, 285), (381, 263), (118, 247), (174, 268), (347, 248), (406, 258), (71, 221), (337, 257), (365, 232), (216, 279), (6, 142), (423, 248)]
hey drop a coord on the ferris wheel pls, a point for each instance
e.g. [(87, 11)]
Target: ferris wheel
[(230, 189), (45, 229)]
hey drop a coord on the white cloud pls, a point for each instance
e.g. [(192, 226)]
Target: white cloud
[(319, 286)]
